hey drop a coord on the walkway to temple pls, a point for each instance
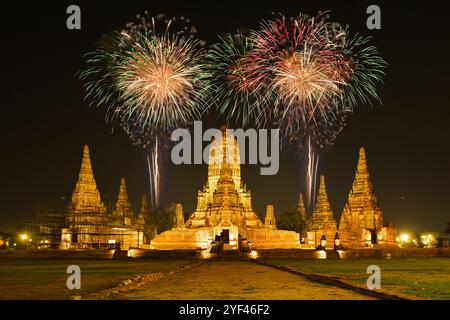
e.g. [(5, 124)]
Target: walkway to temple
[(236, 279)]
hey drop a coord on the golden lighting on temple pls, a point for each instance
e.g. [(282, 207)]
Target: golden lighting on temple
[(205, 254), (320, 254), (404, 239), (253, 254)]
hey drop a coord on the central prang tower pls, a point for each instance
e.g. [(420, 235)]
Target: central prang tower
[(224, 207), (225, 199)]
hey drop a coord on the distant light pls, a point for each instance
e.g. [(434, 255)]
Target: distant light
[(320, 254), (253, 254), (205, 254), (427, 239), (23, 237), (404, 237), (131, 253)]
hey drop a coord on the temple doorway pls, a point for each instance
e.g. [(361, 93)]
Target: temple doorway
[(373, 236), (225, 235)]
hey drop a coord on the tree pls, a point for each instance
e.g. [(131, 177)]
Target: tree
[(290, 220), (447, 229), (6, 239), (162, 218)]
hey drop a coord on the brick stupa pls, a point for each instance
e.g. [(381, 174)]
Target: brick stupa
[(322, 221), (361, 221), (86, 197), (123, 209), (301, 208)]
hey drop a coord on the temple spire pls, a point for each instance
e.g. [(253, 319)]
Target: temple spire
[(361, 211), (86, 197), (179, 217), (362, 178), (269, 220), (123, 207), (322, 204), (143, 211), (224, 152), (301, 207), (321, 223)]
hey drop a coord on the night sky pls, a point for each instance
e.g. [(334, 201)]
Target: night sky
[(45, 121)]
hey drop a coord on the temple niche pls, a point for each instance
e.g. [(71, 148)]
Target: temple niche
[(224, 208), (361, 223), (90, 225)]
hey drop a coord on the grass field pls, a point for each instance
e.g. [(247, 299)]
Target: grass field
[(46, 279), (422, 278), (233, 279)]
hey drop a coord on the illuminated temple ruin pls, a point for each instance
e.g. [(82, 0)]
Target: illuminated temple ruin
[(361, 222), (224, 208), (89, 225)]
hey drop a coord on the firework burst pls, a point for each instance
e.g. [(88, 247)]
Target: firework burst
[(150, 78), (367, 70), (160, 81), (318, 73), (304, 67), (238, 86), (305, 87), (154, 78)]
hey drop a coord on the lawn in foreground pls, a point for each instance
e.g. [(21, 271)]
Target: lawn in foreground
[(227, 279), (422, 278), (46, 278)]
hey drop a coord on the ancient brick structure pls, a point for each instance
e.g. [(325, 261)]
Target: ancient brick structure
[(89, 225), (361, 222), (301, 208), (122, 210), (322, 221), (224, 208), (85, 196)]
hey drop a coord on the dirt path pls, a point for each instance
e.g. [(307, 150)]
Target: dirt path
[(236, 279)]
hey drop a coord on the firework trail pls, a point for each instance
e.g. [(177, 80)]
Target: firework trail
[(150, 77), (311, 140), (311, 170), (153, 171), (152, 143)]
